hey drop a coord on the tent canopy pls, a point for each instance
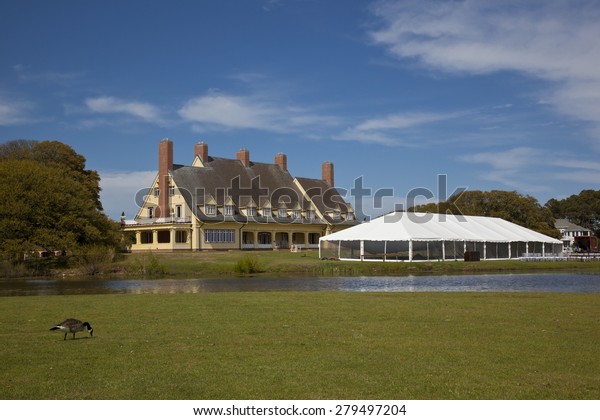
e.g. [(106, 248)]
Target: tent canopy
[(405, 226)]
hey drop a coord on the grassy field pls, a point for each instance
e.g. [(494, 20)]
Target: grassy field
[(206, 264), (304, 345)]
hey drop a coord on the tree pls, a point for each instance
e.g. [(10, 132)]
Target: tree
[(522, 210), (49, 201), (582, 209)]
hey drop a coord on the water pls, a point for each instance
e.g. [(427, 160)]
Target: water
[(564, 282)]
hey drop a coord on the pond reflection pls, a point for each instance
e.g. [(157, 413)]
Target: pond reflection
[(563, 282)]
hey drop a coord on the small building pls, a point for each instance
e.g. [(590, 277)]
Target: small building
[(220, 203), (570, 231), (405, 236)]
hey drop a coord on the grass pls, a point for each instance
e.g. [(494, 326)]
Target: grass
[(207, 264), (304, 345)]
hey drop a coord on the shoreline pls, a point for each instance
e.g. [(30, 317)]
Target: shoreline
[(287, 264)]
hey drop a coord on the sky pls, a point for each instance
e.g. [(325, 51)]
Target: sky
[(398, 94)]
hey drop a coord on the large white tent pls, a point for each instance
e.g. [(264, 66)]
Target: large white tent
[(404, 236)]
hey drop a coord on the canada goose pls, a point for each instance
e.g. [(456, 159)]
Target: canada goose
[(72, 326)]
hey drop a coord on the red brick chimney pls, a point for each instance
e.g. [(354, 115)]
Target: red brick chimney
[(243, 156), (327, 173), (165, 165), (201, 150), (281, 161)]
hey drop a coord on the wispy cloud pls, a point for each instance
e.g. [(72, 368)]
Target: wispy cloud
[(529, 169), (220, 111), (27, 74), (109, 105), (14, 111), (553, 41), (390, 130)]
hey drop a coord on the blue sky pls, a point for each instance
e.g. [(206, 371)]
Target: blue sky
[(496, 95)]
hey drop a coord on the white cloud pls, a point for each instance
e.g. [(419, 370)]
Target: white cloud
[(109, 104), (220, 111), (556, 41), (389, 130), (14, 112), (120, 189), (530, 169)]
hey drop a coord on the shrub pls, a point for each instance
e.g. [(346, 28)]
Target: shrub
[(248, 265)]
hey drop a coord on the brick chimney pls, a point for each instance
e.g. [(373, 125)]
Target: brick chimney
[(243, 156), (165, 165), (327, 173), (201, 150), (281, 161)]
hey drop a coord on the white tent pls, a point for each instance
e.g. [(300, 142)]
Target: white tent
[(401, 236)]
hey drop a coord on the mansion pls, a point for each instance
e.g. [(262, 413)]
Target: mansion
[(221, 204)]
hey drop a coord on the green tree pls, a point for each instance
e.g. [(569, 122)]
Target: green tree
[(582, 209), (523, 210), (49, 201)]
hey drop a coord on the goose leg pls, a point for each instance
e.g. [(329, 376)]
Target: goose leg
[(65, 336)]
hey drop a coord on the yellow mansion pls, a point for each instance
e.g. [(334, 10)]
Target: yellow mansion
[(219, 203)]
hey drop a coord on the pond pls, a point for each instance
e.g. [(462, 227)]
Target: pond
[(562, 282)]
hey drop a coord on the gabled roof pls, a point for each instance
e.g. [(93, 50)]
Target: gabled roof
[(325, 199), (229, 181), (568, 226)]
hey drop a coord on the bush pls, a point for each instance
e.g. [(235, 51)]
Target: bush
[(248, 265), (147, 265)]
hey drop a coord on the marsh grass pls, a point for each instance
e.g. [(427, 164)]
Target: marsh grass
[(304, 345)]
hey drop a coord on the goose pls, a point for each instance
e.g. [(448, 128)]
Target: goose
[(72, 326)]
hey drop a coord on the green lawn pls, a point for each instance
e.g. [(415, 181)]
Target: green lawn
[(304, 345), (203, 264)]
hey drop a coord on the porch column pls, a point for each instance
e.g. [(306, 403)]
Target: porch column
[(138, 237), (154, 236)]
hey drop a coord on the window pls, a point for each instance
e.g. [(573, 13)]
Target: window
[(251, 211), (180, 236), (228, 210), (219, 236), (282, 212), (350, 216), (156, 192), (146, 237), (310, 214), (171, 190), (296, 214), (210, 209), (178, 212), (267, 212), (150, 212), (336, 215)]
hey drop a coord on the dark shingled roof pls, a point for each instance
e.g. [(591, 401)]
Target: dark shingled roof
[(222, 178)]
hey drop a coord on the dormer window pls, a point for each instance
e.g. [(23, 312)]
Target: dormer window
[(310, 214), (350, 216), (251, 211), (228, 210), (296, 214), (267, 212), (282, 212), (210, 209), (336, 215)]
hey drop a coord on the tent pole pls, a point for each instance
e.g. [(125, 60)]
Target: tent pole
[(410, 250)]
